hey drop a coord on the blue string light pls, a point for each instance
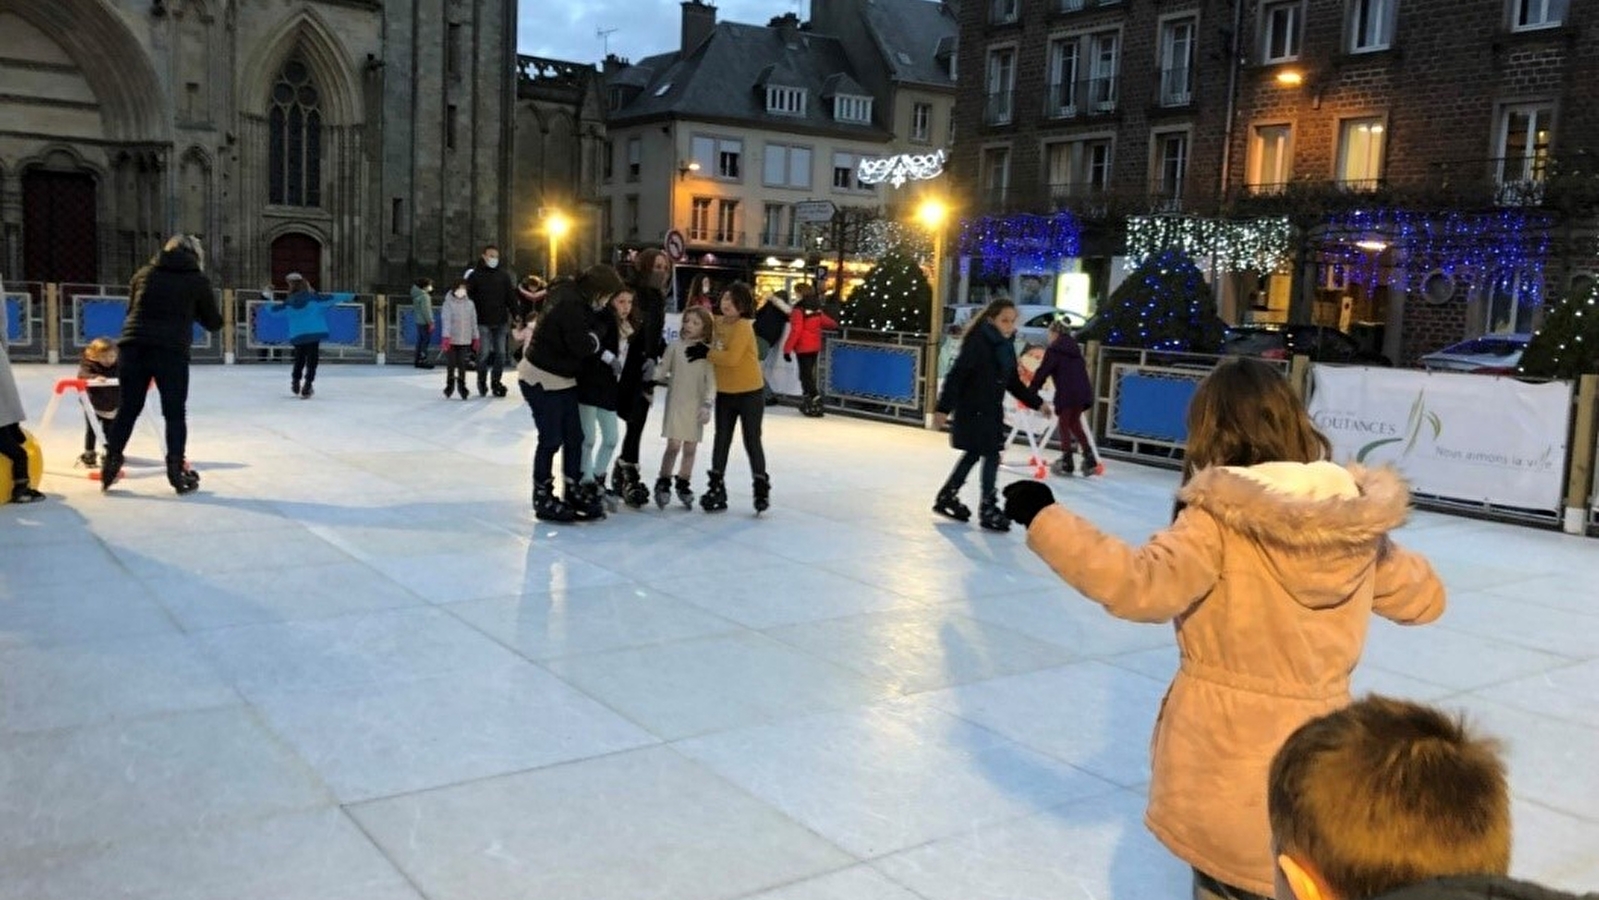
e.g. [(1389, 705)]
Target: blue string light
[(997, 245)]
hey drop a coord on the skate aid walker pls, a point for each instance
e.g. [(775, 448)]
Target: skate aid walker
[(80, 387)]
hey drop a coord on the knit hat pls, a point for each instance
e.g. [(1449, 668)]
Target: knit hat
[(292, 277), (599, 281)]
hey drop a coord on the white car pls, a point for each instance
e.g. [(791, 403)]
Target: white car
[(1032, 322), (1491, 354)]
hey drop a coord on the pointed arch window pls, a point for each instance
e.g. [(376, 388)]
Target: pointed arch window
[(295, 126)]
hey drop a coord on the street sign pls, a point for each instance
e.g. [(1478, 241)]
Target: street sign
[(814, 211), (674, 245)]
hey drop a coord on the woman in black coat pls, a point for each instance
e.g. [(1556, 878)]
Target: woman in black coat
[(166, 298), (974, 392)]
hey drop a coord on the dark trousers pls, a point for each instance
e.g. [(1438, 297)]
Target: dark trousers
[(137, 364), (88, 431), (745, 410), (455, 364), (969, 460), (424, 336), (490, 355), (556, 418), (1071, 429), (306, 356), (634, 418), (11, 441), (807, 373)]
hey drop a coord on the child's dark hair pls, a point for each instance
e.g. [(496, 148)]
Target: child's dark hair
[(1245, 413), (994, 308), (425, 283), (743, 298), (1386, 793)]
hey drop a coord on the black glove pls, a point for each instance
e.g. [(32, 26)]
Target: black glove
[(1025, 499), (697, 352), (788, 357)]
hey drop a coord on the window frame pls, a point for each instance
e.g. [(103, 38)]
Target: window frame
[(1062, 92), (861, 107), (1385, 22), (990, 115), (1555, 14), (1082, 164), (1167, 27), (855, 186), (1341, 158), (1296, 8), (1536, 158), (635, 158), (787, 152), (699, 218), (921, 131), (783, 100), (1158, 139), (727, 220), (994, 193), (717, 148), (1253, 182)]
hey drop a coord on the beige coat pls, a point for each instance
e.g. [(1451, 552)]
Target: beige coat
[(1270, 575)]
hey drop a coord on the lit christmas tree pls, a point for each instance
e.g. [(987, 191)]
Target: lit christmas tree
[(894, 297), (1164, 304), (1568, 343)]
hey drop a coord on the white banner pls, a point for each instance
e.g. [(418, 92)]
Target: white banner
[(1475, 438)]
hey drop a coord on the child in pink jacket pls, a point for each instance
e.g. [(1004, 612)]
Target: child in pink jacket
[(1271, 572)]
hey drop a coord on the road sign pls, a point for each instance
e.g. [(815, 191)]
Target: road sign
[(814, 211), (674, 245)]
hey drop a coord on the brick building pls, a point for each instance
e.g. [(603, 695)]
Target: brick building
[(1433, 156)]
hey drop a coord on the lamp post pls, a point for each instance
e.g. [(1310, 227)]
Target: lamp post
[(556, 226), (932, 214)]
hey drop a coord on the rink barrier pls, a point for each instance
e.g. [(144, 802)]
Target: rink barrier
[(875, 374)]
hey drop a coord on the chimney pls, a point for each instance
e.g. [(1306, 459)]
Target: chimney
[(788, 25), (614, 64), (699, 20)]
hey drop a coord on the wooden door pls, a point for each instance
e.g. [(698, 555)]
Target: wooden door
[(295, 252), (60, 237)]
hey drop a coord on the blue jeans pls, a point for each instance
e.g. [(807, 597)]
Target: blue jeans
[(599, 439), (556, 418), (490, 353)]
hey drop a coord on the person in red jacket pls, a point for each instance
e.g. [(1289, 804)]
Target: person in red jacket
[(805, 326)]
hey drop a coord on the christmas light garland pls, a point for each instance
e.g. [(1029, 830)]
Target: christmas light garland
[(1258, 245), (997, 244)]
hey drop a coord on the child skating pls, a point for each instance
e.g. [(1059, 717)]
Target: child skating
[(690, 395), (598, 390), (974, 391), (308, 327), (1064, 365), (458, 324), (805, 326), (740, 401), (98, 366)]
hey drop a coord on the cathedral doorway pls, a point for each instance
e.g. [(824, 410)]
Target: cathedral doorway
[(60, 234), (296, 252)]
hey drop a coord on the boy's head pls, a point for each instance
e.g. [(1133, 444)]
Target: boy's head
[(101, 350), (1384, 794)]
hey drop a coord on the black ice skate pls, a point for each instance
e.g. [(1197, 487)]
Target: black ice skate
[(685, 492), (606, 494), (110, 470), (183, 479), (549, 508), (762, 489), (948, 504), (991, 516), (584, 499), (89, 460), (663, 491), (715, 498), (1066, 465)]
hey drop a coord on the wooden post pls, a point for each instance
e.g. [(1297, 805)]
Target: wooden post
[(380, 309), (1579, 484), (1091, 353), (52, 323), (230, 337), (1299, 376)]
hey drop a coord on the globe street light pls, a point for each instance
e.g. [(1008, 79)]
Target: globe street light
[(931, 214), (556, 225)]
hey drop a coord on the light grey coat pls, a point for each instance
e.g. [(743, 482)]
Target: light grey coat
[(10, 401)]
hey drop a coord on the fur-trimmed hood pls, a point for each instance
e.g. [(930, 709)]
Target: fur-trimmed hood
[(1315, 523)]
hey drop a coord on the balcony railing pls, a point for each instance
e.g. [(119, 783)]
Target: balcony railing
[(783, 239), (1070, 6), (1071, 99), (1000, 108), (1176, 86), (715, 236)]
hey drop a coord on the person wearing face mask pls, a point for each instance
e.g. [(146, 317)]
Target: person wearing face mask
[(562, 346), (458, 333), (493, 293), (652, 276)]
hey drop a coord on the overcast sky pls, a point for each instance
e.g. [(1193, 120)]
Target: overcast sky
[(565, 29)]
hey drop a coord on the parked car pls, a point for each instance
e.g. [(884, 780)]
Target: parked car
[(1321, 343), (1491, 354), (1032, 322)]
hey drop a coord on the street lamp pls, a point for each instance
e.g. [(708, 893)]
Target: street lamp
[(556, 225), (931, 214)]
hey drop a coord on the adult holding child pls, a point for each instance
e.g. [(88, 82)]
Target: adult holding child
[(166, 298), (1270, 573)]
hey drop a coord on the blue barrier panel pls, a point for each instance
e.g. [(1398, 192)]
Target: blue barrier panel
[(102, 317), (268, 327), (1153, 406), (408, 328), (344, 322), (15, 320), (884, 373)]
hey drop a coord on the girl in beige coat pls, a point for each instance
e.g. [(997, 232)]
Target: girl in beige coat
[(1270, 572)]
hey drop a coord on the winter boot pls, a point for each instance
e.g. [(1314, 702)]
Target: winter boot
[(1091, 464), (948, 504), (183, 479), (762, 489), (663, 491), (89, 460), (1066, 465), (991, 516), (110, 470), (547, 507), (715, 497), (22, 492), (584, 499), (449, 388), (685, 492)]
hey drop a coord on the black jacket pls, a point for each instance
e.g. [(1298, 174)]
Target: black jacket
[(105, 399), (597, 383), (493, 293), (974, 390), (648, 344), (167, 297), (562, 342), (770, 320), (1480, 887)]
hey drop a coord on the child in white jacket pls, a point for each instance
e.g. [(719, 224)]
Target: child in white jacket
[(690, 393), (458, 324)]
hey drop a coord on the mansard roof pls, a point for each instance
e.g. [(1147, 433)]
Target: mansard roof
[(915, 37)]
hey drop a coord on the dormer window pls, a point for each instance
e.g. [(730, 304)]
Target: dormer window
[(847, 108), (785, 101)]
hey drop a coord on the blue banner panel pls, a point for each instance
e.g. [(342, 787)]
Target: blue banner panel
[(14, 317), (1153, 406), (408, 328), (344, 325), (886, 373), (268, 327), (102, 317)]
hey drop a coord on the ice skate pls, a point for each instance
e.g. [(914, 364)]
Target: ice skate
[(762, 489), (549, 508), (991, 516), (183, 479), (663, 491), (1065, 466), (715, 497), (948, 504), (685, 492), (89, 460), (585, 501), (110, 470)]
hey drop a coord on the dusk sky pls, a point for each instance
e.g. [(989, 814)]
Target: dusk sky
[(566, 30)]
